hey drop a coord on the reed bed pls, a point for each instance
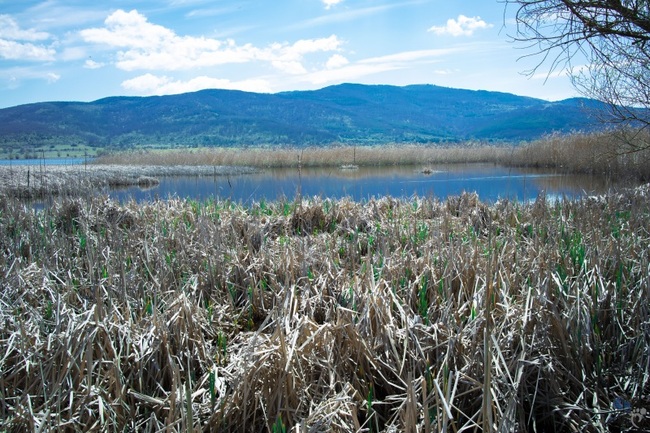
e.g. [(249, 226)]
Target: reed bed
[(612, 153), (325, 315), (40, 181), (328, 156)]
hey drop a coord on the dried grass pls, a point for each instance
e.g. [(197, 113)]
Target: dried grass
[(345, 157), (614, 153), (41, 181), (324, 315)]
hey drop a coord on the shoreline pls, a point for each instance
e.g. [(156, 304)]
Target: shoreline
[(34, 181), (612, 153)]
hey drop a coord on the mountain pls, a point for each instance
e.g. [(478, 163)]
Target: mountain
[(346, 113)]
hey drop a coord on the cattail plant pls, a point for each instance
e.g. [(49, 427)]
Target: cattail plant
[(325, 315)]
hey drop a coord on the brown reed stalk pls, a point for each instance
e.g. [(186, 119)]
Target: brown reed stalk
[(325, 315)]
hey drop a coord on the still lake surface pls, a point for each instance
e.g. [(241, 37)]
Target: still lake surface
[(489, 181), (48, 161)]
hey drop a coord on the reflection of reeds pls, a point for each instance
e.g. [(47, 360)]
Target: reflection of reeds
[(331, 314)]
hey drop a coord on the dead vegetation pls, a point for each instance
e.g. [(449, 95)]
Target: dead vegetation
[(28, 182), (344, 157), (325, 315), (612, 153)]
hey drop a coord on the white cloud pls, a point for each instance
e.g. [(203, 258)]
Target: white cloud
[(443, 71), (73, 53), (329, 3), (17, 44), (12, 50), (149, 84), (412, 56), (349, 15), (289, 67), (146, 84), (129, 30), (59, 15), (339, 69), (463, 26), (146, 46), (306, 46), (17, 75), (51, 77), (336, 61), (210, 12), (287, 58), (91, 64), (13, 83), (10, 30)]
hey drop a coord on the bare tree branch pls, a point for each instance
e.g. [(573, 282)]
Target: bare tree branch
[(611, 36)]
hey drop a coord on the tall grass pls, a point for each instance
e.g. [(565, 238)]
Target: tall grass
[(617, 153), (325, 315), (331, 156)]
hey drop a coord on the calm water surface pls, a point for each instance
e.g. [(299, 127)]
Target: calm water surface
[(46, 161), (490, 182)]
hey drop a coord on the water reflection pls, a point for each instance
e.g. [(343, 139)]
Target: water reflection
[(489, 181), (47, 161)]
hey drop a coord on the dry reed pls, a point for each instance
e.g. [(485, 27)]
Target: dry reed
[(40, 181), (614, 153), (617, 153), (330, 156), (325, 315)]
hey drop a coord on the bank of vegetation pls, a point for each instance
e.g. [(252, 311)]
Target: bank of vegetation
[(609, 153), (325, 315), (46, 181)]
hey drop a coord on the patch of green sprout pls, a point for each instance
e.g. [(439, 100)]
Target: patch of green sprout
[(278, 426)]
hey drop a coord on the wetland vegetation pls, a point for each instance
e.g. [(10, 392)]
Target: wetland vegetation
[(615, 153), (610, 155), (320, 314), (44, 181), (325, 315)]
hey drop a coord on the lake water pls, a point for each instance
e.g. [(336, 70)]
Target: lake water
[(47, 161), (490, 182)]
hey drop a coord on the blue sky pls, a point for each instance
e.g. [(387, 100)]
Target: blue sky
[(82, 51)]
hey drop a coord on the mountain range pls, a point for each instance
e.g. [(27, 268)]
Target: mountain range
[(346, 113)]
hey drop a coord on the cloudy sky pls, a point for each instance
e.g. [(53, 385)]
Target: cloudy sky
[(80, 50)]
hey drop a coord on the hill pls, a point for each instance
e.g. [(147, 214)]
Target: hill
[(346, 113)]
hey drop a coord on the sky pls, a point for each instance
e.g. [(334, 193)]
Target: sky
[(76, 50)]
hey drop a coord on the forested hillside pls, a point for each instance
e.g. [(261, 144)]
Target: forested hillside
[(347, 113)]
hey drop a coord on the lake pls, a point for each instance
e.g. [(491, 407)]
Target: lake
[(489, 181), (46, 161)]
